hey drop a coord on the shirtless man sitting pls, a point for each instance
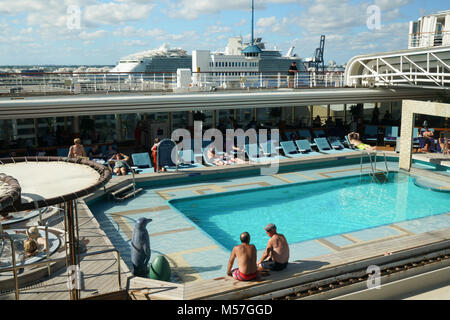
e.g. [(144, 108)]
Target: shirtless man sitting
[(246, 256), (428, 137), (276, 255), (353, 137)]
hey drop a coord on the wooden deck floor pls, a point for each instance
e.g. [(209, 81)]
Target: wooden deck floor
[(99, 272)]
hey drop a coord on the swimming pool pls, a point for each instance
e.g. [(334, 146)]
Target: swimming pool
[(311, 210)]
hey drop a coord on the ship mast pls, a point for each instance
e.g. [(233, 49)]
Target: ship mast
[(253, 17)]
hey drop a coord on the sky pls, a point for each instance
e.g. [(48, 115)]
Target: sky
[(100, 32)]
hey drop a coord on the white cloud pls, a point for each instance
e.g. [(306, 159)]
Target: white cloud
[(192, 9), (217, 29), (93, 35), (115, 13)]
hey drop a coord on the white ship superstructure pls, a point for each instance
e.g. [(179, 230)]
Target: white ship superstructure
[(430, 31), (162, 59), (424, 64)]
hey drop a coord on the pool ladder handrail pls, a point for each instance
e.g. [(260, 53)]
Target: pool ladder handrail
[(373, 164)]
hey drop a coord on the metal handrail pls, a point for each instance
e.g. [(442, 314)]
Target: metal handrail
[(14, 268), (47, 244), (13, 260)]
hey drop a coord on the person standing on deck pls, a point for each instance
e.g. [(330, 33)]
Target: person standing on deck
[(291, 74)]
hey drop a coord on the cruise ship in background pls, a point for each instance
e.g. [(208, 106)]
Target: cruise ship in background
[(162, 59)]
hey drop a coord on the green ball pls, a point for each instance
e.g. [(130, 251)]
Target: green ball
[(160, 269)]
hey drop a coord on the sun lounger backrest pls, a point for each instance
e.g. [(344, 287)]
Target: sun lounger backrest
[(304, 133), (334, 141), (62, 152), (371, 130), (288, 147), (186, 156), (322, 144), (141, 159), (319, 133), (304, 145), (252, 150)]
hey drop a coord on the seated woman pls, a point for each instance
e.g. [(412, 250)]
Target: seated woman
[(118, 160), (77, 150), (353, 137), (96, 152)]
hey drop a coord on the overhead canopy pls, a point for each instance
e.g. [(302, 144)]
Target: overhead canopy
[(96, 105), (52, 180)]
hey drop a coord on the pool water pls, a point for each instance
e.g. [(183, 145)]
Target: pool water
[(312, 210)]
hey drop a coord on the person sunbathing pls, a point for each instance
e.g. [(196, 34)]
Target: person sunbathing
[(118, 160), (246, 257), (214, 158), (354, 139)]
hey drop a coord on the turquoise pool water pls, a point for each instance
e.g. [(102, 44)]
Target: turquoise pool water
[(307, 211)]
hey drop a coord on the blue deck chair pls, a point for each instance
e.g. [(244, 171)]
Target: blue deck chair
[(336, 143), (62, 152), (304, 134), (87, 150), (187, 160), (290, 150), (254, 154), (288, 135), (305, 148), (269, 148), (324, 146), (206, 159), (370, 133), (141, 162), (319, 133), (391, 134)]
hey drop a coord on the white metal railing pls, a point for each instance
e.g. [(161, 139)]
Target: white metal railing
[(429, 39), (97, 82), (426, 67)]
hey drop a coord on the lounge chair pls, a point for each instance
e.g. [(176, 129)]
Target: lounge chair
[(336, 143), (288, 134), (141, 163), (324, 147), (290, 150), (304, 134), (370, 133), (187, 161), (254, 154), (319, 133), (390, 134), (62, 152), (305, 148), (269, 149)]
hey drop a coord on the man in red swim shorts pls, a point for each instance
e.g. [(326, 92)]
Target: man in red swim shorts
[(246, 255)]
